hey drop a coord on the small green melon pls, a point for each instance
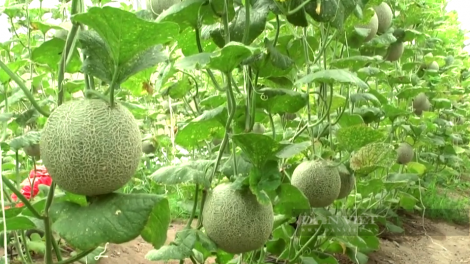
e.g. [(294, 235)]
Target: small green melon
[(384, 17), (421, 103), (395, 51), (148, 147), (319, 181), (90, 148), (235, 220), (404, 153), (158, 6), (347, 182), (433, 66), (258, 128), (372, 26)]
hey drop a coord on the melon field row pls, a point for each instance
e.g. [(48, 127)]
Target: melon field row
[(296, 131)]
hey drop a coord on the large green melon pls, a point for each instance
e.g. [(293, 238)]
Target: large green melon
[(235, 220), (90, 148)]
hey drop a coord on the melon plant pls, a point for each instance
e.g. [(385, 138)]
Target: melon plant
[(91, 148), (235, 220), (319, 181)]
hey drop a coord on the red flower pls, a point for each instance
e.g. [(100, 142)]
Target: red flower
[(38, 176)]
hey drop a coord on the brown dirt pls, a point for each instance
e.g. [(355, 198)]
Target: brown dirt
[(442, 243), (436, 243)]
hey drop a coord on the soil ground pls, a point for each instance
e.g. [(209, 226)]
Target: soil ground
[(435, 242)]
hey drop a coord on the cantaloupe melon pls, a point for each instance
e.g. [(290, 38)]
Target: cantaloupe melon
[(319, 181), (235, 220), (90, 148)]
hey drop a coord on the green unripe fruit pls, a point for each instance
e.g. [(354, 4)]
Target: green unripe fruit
[(235, 220), (319, 181), (384, 17), (258, 128), (395, 51), (347, 182), (405, 153), (148, 147)]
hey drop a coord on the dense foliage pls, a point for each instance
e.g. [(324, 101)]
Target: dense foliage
[(232, 91)]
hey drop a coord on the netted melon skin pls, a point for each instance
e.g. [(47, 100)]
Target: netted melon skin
[(90, 148), (235, 221), (318, 181), (347, 185)]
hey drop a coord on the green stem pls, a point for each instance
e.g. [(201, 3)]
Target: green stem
[(47, 225), (18, 247), (193, 212), (25, 89), (56, 248), (297, 9), (113, 86), (76, 257), (246, 34), (21, 197), (66, 56)]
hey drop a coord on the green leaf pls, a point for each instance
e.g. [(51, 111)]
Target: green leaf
[(353, 62), (90, 258), (126, 35), (187, 13), (348, 119), (291, 150), (358, 97), (11, 212), (50, 53), (17, 223), (193, 62), (14, 67), (393, 228), (416, 167), (115, 218), (258, 15), (354, 137), (278, 59), (406, 177), (180, 249), (230, 57), (243, 167), (100, 64), (291, 201), (277, 101), (36, 244), (258, 148), (5, 117), (331, 76), (205, 126), (265, 177), (392, 112), (188, 172), (179, 89), (372, 157)]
